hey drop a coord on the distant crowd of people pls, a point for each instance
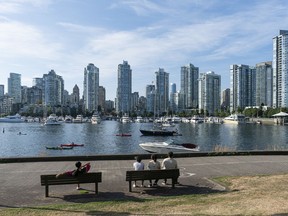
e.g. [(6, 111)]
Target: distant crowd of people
[(154, 164)]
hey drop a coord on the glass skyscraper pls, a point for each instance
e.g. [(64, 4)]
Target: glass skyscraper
[(209, 92), (1, 91), (14, 87), (280, 69), (53, 89), (91, 87), (124, 88), (189, 85), (150, 95), (162, 91), (243, 85), (264, 84)]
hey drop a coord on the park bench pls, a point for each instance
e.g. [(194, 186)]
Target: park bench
[(91, 177), (151, 175)]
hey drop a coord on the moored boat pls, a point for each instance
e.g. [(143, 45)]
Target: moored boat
[(125, 118), (95, 119), (159, 131), (236, 119), (139, 119), (53, 120), (167, 146), (78, 119), (12, 119)]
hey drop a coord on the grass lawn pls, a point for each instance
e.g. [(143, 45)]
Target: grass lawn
[(253, 195)]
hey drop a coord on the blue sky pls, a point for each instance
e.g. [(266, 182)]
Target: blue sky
[(65, 35)]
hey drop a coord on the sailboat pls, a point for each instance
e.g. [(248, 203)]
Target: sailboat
[(158, 130)]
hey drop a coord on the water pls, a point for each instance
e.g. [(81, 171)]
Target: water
[(101, 139)]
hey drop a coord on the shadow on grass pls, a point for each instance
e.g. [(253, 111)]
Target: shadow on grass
[(59, 210), (100, 197), (79, 199), (179, 190)]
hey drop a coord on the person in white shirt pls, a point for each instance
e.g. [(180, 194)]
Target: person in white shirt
[(154, 165), (138, 165), (169, 163)]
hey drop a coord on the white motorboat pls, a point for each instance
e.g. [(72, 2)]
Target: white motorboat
[(236, 119), (139, 119), (78, 119), (197, 119), (12, 119), (95, 119), (52, 120), (167, 146), (125, 119), (68, 119)]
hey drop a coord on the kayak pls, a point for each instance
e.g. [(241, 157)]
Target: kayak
[(123, 135), (59, 148), (71, 145)]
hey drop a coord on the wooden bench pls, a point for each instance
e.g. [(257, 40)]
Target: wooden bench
[(151, 175), (91, 177)]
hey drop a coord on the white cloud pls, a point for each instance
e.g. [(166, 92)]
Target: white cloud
[(18, 39), (18, 6)]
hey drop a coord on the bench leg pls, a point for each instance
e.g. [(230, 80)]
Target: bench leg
[(46, 190), (96, 188), (174, 182), (130, 186)]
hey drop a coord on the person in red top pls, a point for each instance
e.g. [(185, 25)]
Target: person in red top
[(80, 169)]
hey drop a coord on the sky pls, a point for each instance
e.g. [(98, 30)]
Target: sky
[(37, 36)]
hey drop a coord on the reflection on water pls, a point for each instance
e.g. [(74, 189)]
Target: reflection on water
[(101, 138)]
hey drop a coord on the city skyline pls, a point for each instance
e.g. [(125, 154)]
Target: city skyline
[(150, 35)]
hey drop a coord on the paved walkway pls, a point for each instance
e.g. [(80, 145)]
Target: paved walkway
[(20, 182)]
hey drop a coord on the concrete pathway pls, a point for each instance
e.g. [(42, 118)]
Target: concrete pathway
[(20, 182)]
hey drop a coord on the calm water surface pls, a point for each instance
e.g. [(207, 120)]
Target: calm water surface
[(101, 139)]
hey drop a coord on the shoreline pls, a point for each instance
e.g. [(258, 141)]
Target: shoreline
[(132, 156)]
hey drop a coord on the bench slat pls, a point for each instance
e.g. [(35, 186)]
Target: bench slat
[(152, 174), (47, 180)]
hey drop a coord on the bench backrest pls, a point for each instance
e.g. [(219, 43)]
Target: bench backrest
[(152, 174), (83, 178)]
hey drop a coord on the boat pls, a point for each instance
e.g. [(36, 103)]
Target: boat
[(236, 119), (167, 146), (59, 148), (159, 131), (71, 145), (139, 119), (68, 119), (168, 124), (78, 119), (125, 119), (52, 120), (197, 119), (123, 135), (95, 119), (214, 120), (12, 119)]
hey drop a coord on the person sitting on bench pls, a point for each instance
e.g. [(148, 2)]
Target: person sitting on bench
[(169, 163), (154, 165), (80, 169), (138, 165)]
